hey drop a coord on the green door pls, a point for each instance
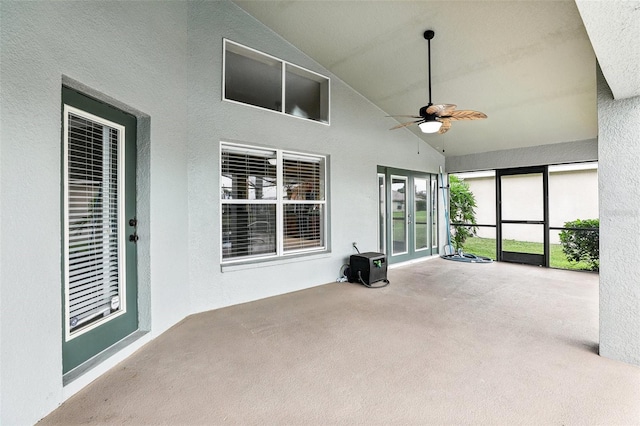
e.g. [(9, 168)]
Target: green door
[(408, 214), (99, 285)]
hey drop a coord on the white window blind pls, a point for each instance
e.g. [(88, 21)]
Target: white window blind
[(93, 283), (249, 196), (273, 202), (303, 179)]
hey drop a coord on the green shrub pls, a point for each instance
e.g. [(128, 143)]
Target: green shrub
[(462, 205), (580, 245)]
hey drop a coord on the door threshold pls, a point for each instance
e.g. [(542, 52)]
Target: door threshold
[(97, 365), (412, 261)]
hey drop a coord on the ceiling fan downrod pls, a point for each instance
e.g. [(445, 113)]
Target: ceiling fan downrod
[(428, 35)]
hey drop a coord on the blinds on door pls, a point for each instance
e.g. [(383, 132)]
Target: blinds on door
[(93, 285)]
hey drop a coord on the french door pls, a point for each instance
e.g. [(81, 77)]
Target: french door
[(408, 226), (100, 303)]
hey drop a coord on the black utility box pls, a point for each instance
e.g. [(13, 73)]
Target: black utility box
[(367, 268)]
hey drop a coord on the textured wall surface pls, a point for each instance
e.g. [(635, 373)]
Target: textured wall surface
[(135, 53), (614, 30), (567, 152), (356, 142), (619, 186), (163, 59)]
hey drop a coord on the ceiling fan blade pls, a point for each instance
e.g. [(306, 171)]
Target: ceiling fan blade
[(408, 123), (405, 116), (446, 125), (441, 110), (466, 115)]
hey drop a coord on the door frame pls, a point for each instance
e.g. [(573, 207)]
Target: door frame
[(526, 258), (77, 350)]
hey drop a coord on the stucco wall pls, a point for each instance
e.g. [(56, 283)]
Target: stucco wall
[(356, 142), (619, 184), (136, 53), (164, 60)]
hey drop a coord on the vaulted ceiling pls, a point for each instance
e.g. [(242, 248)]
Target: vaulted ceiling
[(529, 65)]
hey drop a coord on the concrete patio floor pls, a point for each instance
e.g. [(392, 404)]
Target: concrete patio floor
[(445, 343)]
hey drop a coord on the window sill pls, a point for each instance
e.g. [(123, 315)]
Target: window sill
[(264, 263)]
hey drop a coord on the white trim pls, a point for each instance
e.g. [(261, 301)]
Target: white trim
[(427, 181), (255, 264), (121, 225), (253, 201), (433, 195), (382, 197), (279, 211), (406, 215)]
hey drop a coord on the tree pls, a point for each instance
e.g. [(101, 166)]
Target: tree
[(582, 245), (462, 205)]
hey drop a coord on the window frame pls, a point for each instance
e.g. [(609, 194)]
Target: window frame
[(281, 252), (119, 216), (284, 69)]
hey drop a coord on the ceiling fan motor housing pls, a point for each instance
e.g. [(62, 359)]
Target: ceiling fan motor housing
[(428, 117)]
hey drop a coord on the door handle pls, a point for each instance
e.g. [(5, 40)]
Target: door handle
[(134, 237)]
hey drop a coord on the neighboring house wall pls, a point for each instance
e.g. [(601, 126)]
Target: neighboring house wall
[(618, 134), (164, 61), (484, 191), (573, 194)]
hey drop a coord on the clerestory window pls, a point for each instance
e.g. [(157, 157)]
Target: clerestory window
[(254, 78)]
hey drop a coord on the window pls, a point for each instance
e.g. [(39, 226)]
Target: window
[(273, 202), (254, 78), (93, 239)]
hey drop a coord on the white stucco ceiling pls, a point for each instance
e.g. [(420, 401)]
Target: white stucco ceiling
[(529, 65)]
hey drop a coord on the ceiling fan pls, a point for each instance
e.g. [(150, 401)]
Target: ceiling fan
[(437, 118)]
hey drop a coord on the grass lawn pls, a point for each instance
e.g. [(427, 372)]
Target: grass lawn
[(487, 247)]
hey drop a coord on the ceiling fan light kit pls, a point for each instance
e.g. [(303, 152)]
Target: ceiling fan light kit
[(437, 118), (430, 126)]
